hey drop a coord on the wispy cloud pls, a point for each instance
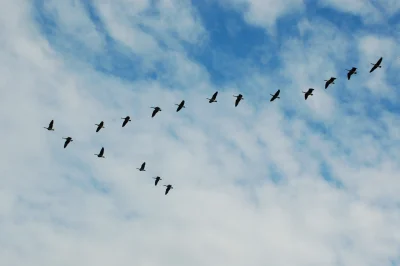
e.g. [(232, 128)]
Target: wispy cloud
[(291, 182)]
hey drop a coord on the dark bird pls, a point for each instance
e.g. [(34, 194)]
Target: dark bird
[(142, 167), (126, 120), (376, 65), (351, 72), (213, 98), (238, 99), (180, 106), (156, 110), (157, 178), (50, 127), (329, 82), (308, 93), (275, 96), (168, 188), (100, 126), (101, 154), (67, 141)]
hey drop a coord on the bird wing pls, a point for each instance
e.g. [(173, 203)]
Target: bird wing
[(102, 150), (348, 75), (215, 94), (51, 123)]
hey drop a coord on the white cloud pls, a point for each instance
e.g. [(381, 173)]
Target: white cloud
[(51, 212)]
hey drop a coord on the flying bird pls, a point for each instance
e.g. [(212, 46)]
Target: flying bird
[(376, 65), (238, 99), (180, 106), (156, 110), (101, 154), (275, 96), (329, 82), (352, 71), (308, 93), (142, 167), (99, 126), (126, 120), (67, 141), (157, 178), (50, 127), (213, 98), (168, 188)]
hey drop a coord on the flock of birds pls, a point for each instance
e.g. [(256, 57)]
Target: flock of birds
[(213, 98)]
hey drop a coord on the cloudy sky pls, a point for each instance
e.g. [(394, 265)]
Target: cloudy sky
[(286, 183)]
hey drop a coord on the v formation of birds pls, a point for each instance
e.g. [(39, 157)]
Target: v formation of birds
[(213, 99)]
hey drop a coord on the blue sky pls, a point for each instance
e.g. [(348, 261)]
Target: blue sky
[(291, 182)]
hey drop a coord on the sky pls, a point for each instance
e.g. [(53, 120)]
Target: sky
[(289, 182)]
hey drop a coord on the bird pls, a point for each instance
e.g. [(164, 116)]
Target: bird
[(157, 178), (308, 93), (352, 71), (238, 98), (156, 110), (99, 126), (101, 154), (142, 167), (329, 82), (50, 127), (376, 65), (180, 106), (67, 141), (126, 120), (275, 96), (168, 188), (213, 98)]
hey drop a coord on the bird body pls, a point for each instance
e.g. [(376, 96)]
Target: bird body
[(67, 141), (101, 154), (169, 187), (238, 99), (308, 93), (157, 179), (329, 81), (99, 126), (213, 98), (126, 120), (142, 167), (376, 65), (156, 110), (352, 71), (50, 127), (275, 96), (180, 106)]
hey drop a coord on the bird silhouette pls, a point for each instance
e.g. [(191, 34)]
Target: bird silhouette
[(376, 65), (308, 93), (50, 127), (213, 98), (169, 187), (156, 110), (180, 106), (352, 71), (142, 167), (99, 126), (275, 96), (67, 141), (238, 99), (101, 154), (126, 120), (157, 179), (329, 82)]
